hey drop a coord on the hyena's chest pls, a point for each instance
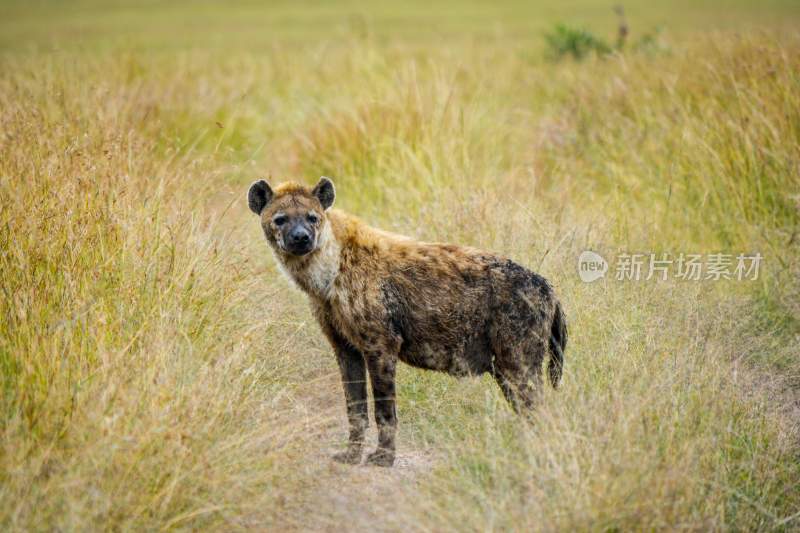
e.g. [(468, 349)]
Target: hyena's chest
[(360, 319)]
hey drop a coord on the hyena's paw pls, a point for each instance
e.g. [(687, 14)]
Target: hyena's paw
[(381, 457), (348, 457)]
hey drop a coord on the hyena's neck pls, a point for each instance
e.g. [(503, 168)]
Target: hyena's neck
[(316, 272)]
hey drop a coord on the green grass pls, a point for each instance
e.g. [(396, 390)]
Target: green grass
[(159, 373), (254, 27)]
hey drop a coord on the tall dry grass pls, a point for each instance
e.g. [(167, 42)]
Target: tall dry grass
[(136, 393), (158, 374)]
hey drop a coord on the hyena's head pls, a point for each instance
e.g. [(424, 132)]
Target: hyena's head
[(292, 216)]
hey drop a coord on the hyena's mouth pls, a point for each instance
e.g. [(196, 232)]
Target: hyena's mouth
[(299, 249)]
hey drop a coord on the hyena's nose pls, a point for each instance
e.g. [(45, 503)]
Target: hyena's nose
[(299, 236)]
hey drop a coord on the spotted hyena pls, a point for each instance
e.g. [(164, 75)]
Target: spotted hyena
[(381, 297)]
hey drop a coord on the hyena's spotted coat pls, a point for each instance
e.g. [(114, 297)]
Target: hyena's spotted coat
[(381, 297)]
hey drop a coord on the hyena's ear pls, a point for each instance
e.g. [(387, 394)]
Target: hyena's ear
[(324, 192), (259, 196)]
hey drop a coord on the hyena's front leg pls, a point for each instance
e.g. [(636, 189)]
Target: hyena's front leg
[(381, 374), (354, 379)]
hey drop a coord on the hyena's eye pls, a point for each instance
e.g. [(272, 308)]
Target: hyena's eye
[(312, 218), (280, 220)]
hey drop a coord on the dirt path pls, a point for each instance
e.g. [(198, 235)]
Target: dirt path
[(354, 498), (362, 498)]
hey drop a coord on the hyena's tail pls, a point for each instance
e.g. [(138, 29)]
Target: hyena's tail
[(558, 344)]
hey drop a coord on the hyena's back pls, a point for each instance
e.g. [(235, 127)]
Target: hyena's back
[(464, 312)]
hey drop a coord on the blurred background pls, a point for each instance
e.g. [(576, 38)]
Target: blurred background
[(254, 26)]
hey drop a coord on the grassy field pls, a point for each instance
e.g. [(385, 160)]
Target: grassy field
[(157, 372)]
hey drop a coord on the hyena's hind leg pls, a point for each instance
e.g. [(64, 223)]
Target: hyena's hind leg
[(519, 332), (518, 372), (517, 365)]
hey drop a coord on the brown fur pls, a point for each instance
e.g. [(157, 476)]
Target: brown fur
[(380, 297)]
